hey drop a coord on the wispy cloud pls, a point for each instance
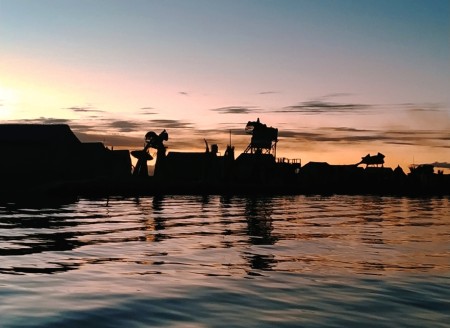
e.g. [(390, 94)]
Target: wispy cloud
[(300, 135), (421, 108), (350, 130), (147, 111), (84, 109), (323, 107), (351, 136), (267, 92), (419, 111), (235, 110), (170, 124), (125, 126), (338, 94), (42, 120)]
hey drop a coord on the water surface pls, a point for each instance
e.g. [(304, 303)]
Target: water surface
[(212, 261)]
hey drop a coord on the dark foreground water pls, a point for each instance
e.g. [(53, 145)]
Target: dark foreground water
[(190, 261)]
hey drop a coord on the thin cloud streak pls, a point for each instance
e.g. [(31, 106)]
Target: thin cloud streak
[(422, 108), (125, 126), (338, 94), (267, 92), (170, 124), (322, 107), (235, 110), (432, 113), (41, 120), (87, 109), (352, 136), (147, 111)]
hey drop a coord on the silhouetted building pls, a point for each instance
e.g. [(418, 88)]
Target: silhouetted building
[(254, 168), (399, 173), (191, 167), (42, 153)]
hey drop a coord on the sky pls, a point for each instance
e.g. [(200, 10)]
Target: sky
[(338, 78)]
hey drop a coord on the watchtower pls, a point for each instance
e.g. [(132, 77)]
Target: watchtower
[(264, 139)]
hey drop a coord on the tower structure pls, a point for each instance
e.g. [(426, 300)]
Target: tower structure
[(264, 139)]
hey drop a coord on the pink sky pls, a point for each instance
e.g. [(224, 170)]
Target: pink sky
[(338, 79)]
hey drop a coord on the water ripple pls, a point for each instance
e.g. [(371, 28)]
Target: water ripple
[(217, 261)]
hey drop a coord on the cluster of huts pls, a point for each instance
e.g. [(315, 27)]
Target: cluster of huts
[(38, 154)]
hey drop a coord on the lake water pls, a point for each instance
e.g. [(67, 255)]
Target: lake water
[(213, 261)]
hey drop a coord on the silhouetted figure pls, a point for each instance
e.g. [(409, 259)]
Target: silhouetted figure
[(152, 140)]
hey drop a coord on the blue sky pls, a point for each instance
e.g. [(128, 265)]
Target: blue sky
[(340, 79)]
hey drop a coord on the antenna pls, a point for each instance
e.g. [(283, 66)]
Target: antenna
[(230, 137)]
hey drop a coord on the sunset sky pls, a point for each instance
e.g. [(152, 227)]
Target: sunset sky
[(338, 78)]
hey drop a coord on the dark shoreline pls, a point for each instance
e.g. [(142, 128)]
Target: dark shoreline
[(64, 167), (150, 186)]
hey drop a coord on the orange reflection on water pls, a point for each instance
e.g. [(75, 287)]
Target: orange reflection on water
[(358, 234)]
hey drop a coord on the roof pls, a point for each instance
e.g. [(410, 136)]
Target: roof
[(316, 165), (33, 134)]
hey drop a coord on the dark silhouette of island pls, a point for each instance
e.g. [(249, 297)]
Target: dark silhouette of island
[(49, 160)]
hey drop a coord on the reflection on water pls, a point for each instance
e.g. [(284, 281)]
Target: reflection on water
[(285, 260)]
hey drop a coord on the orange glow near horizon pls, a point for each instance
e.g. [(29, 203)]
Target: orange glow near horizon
[(337, 89)]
